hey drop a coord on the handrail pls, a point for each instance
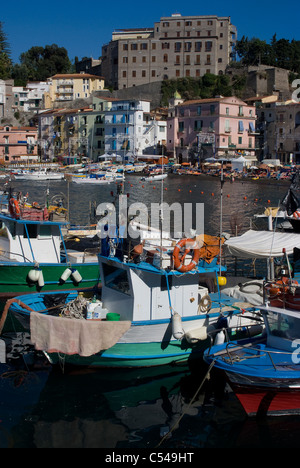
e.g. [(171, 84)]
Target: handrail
[(241, 346)]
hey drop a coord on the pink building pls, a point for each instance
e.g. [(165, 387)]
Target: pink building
[(221, 127), (18, 144)]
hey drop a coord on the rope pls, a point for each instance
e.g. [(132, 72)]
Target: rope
[(206, 377)]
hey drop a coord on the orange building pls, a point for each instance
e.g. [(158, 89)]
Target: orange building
[(18, 144)]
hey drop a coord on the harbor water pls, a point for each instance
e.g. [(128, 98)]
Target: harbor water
[(169, 407)]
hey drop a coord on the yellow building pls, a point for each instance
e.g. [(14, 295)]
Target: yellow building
[(68, 87)]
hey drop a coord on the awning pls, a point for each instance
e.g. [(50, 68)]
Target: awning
[(262, 244)]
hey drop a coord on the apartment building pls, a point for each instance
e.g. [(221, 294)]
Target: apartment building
[(177, 46), (68, 87), (18, 144), (31, 97), (220, 127), (131, 130), (279, 126)]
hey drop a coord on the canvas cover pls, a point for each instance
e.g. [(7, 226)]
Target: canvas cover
[(262, 244)]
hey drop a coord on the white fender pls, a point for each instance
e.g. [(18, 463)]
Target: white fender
[(177, 330), (198, 334), (66, 275), (77, 278), (33, 275), (41, 281)]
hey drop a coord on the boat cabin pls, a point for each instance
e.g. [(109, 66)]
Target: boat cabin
[(29, 241), (283, 328), (143, 292)]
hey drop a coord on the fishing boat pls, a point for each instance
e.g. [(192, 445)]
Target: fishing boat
[(151, 312), (154, 177), (42, 174), (33, 255), (265, 375), (91, 180)]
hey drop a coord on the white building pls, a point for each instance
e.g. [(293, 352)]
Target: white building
[(131, 130), (31, 97)]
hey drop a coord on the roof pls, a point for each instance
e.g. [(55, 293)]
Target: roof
[(77, 76)]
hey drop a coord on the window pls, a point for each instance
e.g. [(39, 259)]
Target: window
[(125, 46), (199, 110), (133, 74), (116, 279), (240, 140), (181, 126), (198, 46), (166, 58), (144, 46), (177, 46), (208, 46), (153, 58), (143, 73), (134, 47), (198, 124)]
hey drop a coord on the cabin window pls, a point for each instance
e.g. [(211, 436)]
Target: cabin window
[(45, 232), (164, 283), (11, 227), (32, 231), (116, 278), (284, 326)]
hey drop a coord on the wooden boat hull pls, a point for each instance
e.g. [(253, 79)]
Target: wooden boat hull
[(260, 401), (14, 279), (145, 344), (264, 385)]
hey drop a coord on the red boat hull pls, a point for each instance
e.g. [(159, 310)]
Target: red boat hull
[(268, 401)]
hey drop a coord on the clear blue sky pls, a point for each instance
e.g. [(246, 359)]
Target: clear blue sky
[(83, 27)]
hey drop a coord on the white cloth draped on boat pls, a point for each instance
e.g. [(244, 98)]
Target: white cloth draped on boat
[(262, 244), (73, 336)]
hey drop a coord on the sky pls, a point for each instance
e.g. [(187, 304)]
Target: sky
[(84, 28)]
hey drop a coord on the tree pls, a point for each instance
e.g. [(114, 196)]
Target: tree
[(40, 63), (5, 60)]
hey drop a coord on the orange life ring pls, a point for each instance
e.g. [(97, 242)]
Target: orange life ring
[(179, 260), (14, 208), (296, 215)]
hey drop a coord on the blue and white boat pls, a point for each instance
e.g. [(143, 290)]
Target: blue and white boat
[(264, 373), (149, 315)]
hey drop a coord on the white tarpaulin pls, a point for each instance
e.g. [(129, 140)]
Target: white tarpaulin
[(262, 244)]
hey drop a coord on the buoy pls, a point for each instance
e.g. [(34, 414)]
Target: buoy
[(177, 330), (66, 275), (33, 275), (245, 198), (193, 336), (202, 193), (77, 278), (228, 196), (221, 280), (269, 201), (41, 282), (212, 194)]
